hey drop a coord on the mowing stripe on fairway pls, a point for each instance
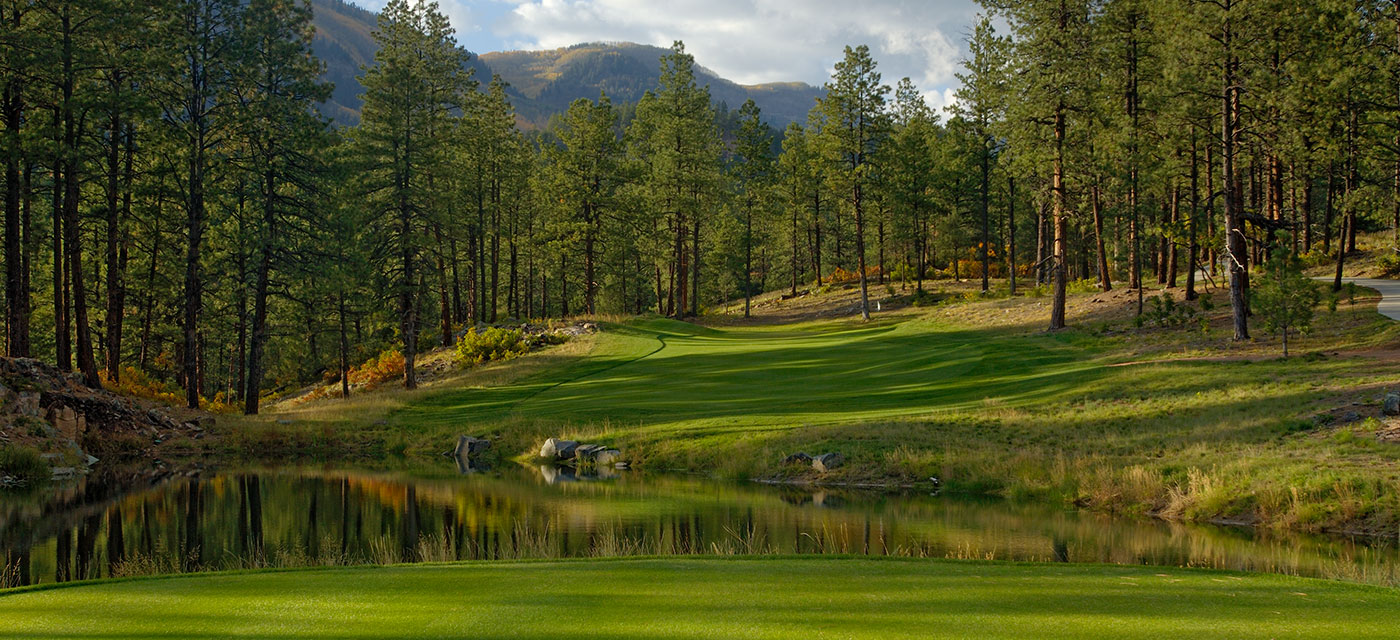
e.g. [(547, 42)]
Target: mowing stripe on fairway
[(756, 598)]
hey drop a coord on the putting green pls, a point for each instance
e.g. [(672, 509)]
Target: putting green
[(709, 598)]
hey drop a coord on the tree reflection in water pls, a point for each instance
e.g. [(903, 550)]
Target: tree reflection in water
[(104, 527)]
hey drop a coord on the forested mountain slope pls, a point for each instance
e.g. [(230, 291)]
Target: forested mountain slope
[(344, 42), (543, 83)]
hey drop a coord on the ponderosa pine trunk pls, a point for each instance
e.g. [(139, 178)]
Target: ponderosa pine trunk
[(1061, 222), (1010, 234), (16, 320), (1105, 277), (1235, 247)]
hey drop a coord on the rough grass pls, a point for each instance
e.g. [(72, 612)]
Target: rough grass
[(742, 598), (1178, 422)]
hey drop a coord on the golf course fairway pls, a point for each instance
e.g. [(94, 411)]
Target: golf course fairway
[(708, 598)]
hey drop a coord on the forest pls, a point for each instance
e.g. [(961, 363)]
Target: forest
[(179, 213)]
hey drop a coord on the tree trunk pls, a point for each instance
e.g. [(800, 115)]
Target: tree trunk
[(985, 201), (860, 253), (1010, 234), (748, 256), (344, 348), (1057, 311), (116, 245), (1105, 278), (1193, 244), (1235, 247), (16, 294)]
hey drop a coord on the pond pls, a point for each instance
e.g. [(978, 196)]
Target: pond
[(114, 524)]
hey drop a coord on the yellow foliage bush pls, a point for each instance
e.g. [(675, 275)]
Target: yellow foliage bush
[(842, 276), (134, 382), (491, 344)]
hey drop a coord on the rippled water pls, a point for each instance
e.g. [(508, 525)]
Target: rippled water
[(110, 525)]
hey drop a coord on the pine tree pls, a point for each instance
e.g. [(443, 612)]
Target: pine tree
[(418, 79), (276, 89), (856, 124), (753, 172), (980, 101)]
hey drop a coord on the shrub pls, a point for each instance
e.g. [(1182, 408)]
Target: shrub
[(1390, 266), (1165, 312), (842, 276), (387, 366), (135, 382), (491, 344), (1284, 296), (25, 466), (923, 298)]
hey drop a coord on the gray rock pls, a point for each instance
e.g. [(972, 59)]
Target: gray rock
[(798, 458), (1392, 404), (91, 460), (467, 446), (827, 461), (607, 457), (622, 466), (588, 452), (555, 449), (64, 472), (27, 404)]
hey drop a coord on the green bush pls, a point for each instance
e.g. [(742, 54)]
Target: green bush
[(1390, 266), (25, 466), (489, 345)]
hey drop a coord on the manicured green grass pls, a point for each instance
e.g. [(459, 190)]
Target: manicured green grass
[(1175, 421), (710, 598), (690, 382)]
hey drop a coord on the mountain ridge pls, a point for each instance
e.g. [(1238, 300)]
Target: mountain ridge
[(542, 82)]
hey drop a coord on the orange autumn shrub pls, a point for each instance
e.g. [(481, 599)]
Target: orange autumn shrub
[(842, 276), (387, 366)]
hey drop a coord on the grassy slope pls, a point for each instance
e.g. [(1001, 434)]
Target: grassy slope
[(769, 598), (1193, 427)]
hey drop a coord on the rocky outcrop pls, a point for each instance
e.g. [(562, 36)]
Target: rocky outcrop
[(558, 450), (827, 461), (468, 447), (71, 425), (820, 463), (570, 452), (800, 457)]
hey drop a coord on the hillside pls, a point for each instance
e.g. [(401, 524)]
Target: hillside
[(345, 41), (543, 83)]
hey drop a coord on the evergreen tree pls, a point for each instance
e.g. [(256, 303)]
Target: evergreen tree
[(856, 122)]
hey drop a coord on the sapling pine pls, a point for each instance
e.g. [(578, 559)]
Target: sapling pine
[(1284, 297)]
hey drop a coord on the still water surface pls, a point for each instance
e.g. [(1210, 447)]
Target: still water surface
[(111, 525)]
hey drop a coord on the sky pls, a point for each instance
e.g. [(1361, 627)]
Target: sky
[(747, 41)]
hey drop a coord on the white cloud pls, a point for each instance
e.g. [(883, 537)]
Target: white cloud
[(755, 41)]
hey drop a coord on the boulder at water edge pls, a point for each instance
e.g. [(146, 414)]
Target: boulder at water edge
[(827, 461), (556, 449)]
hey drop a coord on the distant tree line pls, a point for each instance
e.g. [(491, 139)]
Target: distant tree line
[(176, 206)]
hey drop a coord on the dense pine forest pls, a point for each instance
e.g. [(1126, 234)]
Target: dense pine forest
[(178, 211)]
